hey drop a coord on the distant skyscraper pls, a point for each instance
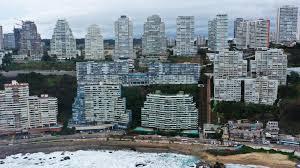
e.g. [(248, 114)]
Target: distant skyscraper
[(236, 24), (287, 22), (63, 43), (9, 41), (1, 38), (94, 49), (253, 34), (185, 36), (30, 41), (201, 41), (123, 38), (218, 33), (154, 37), (17, 33)]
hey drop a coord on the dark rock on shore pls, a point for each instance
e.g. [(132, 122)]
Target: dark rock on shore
[(67, 158), (219, 165), (202, 164), (140, 164), (1, 162)]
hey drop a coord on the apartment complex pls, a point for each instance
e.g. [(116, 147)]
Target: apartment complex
[(103, 104), (154, 38), (271, 63), (185, 29), (228, 90), (123, 38), (63, 44), (229, 64), (253, 34), (9, 41), (218, 33), (118, 72), (245, 130), (94, 48), (287, 24), (260, 90), (19, 111), (169, 112)]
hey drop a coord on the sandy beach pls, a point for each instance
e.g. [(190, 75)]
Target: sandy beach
[(263, 159)]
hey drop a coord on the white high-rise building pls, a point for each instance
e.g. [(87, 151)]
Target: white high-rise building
[(154, 37), (94, 49), (19, 111), (260, 90), (229, 64), (123, 38), (103, 104), (227, 89), (253, 34), (63, 44), (1, 39), (271, 63), (218, 33), (287, 24), (185, 36), (169, 112)]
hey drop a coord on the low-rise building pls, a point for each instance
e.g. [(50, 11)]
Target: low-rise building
[(272, 129), (244, 130), (170, 112)]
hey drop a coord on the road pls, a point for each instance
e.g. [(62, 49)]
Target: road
[(11, 74)]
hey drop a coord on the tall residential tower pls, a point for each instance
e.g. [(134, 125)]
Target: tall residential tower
[(94, 49)]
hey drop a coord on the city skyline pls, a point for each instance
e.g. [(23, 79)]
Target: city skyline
[(45, 14)]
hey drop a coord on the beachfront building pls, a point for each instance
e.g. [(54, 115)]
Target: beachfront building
[(253, 34), (123, 39), (169, 112), (154, 38), (94, 48), (218, 33), (185, 36), (244, 130), (272, 129), (271, 63), (63, 44), (229, 64), (103, 104), (227, 90), (20, 111), (287, 24), (260, 90)]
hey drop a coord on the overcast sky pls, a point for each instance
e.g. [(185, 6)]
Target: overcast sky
[(81, 13)]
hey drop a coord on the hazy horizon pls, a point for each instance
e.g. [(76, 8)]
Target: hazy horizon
[(82, 13)]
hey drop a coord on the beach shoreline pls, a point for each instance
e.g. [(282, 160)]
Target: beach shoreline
[(196, 150)]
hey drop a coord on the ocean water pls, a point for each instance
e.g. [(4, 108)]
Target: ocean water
[(103, 159)]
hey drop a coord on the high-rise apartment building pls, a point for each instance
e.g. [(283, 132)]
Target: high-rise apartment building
[(228, 89), (169, 112), (185, 29), (19, 111), (218, 33), (201, 41), (63, 44), (260, 90), (271, 63), (253, 34), (94, 49), (30, 41), (17, 33), (287, 24), (1, 39), (9, 41), (123, 38), (229, 65), (237, 22), (104, 104), (154, 38)]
